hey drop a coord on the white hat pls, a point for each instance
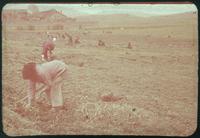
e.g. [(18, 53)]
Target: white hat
[(54, 39)]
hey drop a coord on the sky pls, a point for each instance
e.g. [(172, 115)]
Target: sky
[(135, 9)]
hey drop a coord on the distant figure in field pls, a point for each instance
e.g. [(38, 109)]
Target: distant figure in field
[(129, 45), (70, 40), (101, 43), (77, 40), (47, 48), (63, 36), (51, 74)]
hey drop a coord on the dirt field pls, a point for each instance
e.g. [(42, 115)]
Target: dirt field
[(150, 89)]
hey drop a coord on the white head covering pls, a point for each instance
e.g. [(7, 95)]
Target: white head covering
[(54, 39)]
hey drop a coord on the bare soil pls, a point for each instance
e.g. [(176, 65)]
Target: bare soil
[(150, 89)]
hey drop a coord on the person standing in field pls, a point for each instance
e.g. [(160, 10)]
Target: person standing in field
[(47, 48), (52, 74)]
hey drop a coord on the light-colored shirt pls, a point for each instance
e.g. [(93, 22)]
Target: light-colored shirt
[(48, 72)]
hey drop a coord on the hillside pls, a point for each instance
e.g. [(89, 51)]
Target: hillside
[(132, 20)]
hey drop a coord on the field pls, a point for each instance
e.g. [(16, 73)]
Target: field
[(149, 89)]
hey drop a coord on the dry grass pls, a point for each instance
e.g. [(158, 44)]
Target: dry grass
[(150, 89)]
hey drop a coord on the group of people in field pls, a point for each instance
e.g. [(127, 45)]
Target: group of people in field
[(51, 73)]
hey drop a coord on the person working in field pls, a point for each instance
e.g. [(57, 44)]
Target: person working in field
[(51, 74), (47, 49)]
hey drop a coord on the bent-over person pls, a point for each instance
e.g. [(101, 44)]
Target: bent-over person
[(52, 74)]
